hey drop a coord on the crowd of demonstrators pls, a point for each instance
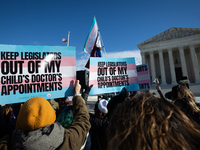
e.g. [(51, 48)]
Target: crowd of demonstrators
[(36, 126), (129, 120)]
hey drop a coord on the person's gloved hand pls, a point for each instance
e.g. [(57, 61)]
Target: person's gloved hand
[(124, 93), (86, 92), (88, 88)]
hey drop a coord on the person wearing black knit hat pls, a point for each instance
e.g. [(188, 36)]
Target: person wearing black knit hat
[(118, 99)]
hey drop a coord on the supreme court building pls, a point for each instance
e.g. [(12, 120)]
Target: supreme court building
[(173, 54)]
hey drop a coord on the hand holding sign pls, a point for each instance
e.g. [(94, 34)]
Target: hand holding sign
[(76, 87)]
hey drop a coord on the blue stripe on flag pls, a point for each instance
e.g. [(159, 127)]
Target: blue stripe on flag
[(17, 98), (93, 23), (68, 50), (94, 60)]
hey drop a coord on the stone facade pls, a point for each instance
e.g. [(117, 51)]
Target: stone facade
[(173, 54)]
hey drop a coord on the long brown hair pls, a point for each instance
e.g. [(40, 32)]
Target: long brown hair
[(150, 123), (182, 91)]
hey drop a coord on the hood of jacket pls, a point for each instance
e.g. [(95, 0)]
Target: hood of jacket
[(49, 137)]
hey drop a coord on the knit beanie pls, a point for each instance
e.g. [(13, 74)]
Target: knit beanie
[(35, 113), (102, 106)]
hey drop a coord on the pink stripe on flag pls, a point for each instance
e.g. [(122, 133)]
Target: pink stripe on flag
[(143, 81), (94, 68), (67, 81), (131, 67), (91, 39), (143, 72), (94, 82), (68, 61), (133, 79)]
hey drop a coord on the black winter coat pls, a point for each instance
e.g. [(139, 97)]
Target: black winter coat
[(98, 132)]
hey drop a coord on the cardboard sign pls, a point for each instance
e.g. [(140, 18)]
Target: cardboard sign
[(29, 71), (112, 74), (143, 77)]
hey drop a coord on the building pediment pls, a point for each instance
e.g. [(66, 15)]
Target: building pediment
[(172, 33)]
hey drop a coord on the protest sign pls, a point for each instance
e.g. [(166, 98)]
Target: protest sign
[(29, 71), (112, 74), (143, 77)]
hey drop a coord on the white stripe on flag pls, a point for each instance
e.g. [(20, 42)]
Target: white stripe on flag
[(91, 38), (143, 77), (66, 71)]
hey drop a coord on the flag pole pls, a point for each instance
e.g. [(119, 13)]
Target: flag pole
[(102, 43), (68, 38)]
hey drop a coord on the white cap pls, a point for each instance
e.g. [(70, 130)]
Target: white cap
[(102, 106)]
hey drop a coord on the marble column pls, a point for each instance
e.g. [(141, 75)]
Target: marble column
[(143, 57), (172, 69), (162, 67), (152, 63), (195, 64), (183, 62)]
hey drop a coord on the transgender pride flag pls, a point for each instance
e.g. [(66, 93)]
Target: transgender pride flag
[(29, 71), (112, 74), (91, 38)]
